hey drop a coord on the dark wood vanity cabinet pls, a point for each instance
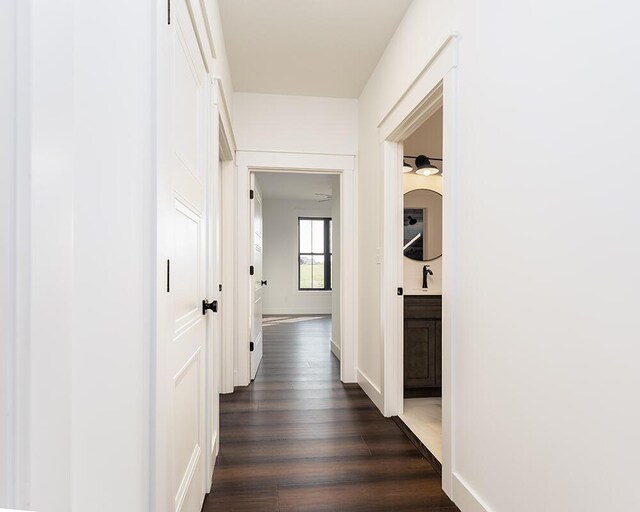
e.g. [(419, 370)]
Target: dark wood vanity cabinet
[(422, 346)]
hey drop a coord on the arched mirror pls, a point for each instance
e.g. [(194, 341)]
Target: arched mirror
[(422, 225)]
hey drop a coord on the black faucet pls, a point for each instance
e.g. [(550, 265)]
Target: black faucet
[(426, 271)]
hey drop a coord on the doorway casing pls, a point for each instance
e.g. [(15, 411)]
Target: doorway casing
[(342, 165), (434, 87)]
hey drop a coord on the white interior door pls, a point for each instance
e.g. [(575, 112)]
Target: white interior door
[(256, 283), (183, 235)]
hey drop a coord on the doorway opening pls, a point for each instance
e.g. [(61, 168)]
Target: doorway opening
[(340, 169), (421, 412), (295, 268), (435, 90)]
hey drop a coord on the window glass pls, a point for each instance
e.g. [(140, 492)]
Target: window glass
[(314, 254), (318, 272), (306, 272), (305, 235), (318, 237)]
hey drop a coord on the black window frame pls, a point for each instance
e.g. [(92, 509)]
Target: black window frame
[(327, 255)]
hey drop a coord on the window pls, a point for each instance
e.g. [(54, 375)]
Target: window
[(314, 253)]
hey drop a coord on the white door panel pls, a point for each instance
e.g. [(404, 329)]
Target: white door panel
[(256, 288), (187, 271), (183, 231)]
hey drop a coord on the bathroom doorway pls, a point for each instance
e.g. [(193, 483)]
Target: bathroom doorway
[(435, 91), (421, 415)]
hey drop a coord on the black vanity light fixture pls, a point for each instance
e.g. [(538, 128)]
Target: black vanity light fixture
[(424, 167)]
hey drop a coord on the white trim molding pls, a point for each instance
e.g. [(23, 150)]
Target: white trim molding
[(226, 154), (296, 311), (335, 349), (342, 165), (465, 498), (228, 139), (392, 305), (435, 68), (372, 391)]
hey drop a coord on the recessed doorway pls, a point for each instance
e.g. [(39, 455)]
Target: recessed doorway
[(296, 260), (422, 265), (343, 293)]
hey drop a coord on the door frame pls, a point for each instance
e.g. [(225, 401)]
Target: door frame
[(219, 271), (227, 150), (341, 165), (434, 87), (229, 264), (212, 276)]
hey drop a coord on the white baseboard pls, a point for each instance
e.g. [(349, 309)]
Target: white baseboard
[(215, 448), (335, 349), (465, 499), (371, 390), (296, 311)]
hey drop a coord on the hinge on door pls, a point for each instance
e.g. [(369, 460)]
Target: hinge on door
[(251, 270), (168, 12), (251, 346), (400, 290), (168, 276), (219, 287), (250, 194)]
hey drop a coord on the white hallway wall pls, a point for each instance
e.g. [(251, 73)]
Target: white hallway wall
[(542, 96), (301, 124), (8, 94), (546, 337), (281, 295), (85, 315)]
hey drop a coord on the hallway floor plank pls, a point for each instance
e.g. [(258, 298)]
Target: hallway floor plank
[(297, 439)]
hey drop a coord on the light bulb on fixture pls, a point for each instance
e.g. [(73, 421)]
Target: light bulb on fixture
[(424, 167)]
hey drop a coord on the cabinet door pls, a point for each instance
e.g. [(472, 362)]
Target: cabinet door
[(420, 340)]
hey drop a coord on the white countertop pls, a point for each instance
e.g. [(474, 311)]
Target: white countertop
[(421, 291)]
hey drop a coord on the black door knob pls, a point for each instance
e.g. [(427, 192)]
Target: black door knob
[(213, 306), (263, 283)]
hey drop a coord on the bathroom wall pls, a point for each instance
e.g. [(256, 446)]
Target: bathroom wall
[(427, 140)]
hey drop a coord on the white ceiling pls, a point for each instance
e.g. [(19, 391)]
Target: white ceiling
[(298, 186), (307, 47)]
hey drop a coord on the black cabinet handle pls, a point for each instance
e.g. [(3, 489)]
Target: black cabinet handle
[(263, 283), (213, 306)]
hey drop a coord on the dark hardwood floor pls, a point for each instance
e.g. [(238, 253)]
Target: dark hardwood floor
[(297, 439)]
